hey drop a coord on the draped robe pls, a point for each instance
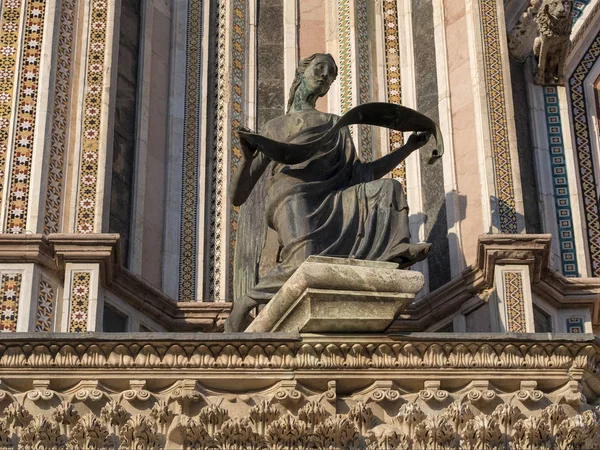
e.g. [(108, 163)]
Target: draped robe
[(329, 204)]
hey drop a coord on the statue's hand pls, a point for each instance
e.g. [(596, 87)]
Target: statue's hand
[(418, 140), (249, 150)]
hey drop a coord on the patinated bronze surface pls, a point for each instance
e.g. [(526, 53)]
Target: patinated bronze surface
[(320, 198)]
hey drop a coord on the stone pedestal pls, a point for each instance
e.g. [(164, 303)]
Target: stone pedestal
[(334, 295)]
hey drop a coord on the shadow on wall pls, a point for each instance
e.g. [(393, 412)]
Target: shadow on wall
[(500, 207), (443, 223)]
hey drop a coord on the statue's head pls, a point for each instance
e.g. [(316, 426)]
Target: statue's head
[(559, 9), (315, 74)]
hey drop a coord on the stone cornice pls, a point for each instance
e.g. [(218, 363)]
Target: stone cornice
[(511, 357), (55, 250), (259, 391)]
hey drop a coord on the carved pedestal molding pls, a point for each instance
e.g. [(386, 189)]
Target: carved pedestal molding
[(283, 391)]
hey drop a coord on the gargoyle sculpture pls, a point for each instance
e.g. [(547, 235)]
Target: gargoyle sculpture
[(547, 25)]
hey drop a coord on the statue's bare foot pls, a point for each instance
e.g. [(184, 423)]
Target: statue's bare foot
[(237, 319)]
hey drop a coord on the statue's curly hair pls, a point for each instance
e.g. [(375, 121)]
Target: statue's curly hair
[(302, 66)]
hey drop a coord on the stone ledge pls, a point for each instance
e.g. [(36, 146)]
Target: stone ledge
[(332, 295)]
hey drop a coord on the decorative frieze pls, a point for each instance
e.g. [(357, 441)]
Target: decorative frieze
[(352, 392), (56, 160), (515, 302), (22, 158), (10, 26), (584, 154), (393, 80), (80, 302), (92, 119), (45, 307), (10, 290), (496, 99), (560, 183), (191, 144)]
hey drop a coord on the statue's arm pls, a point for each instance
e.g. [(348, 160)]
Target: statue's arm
[(246, 177), (384, 165)]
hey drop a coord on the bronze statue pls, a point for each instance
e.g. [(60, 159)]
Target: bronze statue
[(320, 198)]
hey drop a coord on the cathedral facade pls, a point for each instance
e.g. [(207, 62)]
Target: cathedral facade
[(117, 148)]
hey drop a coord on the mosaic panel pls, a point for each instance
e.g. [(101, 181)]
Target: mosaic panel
[(578, 7), (94, 82), (189, 203), (80, 301), (364, 74), (575, 325), (515, 302), (238, 81), (498, 118), (56, 159), (45, 307), (560, 183), (9, 41), (345, 58), (10, 289), (585, 164), (394, 87), (216, 185), (20, 178), (597, 97)]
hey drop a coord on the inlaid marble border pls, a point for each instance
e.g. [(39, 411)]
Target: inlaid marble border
[(10, 26), (238, 111), (560, 182), (10, 290), (515, 302), (364, 74), (189, 203), (22, 159), (45, 307), (92, 117), (80, 302), (216, 173), (56, 160), (496, 98), (393, 81), (575, 325), (345, 56), (584, 157), (578, 8)]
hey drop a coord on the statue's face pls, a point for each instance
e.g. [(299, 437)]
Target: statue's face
[(559, 9), (319, 75)]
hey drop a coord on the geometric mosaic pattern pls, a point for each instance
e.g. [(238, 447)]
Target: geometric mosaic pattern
[(191, 145), (80, 302), (560, 183), (575, 325), (238, 100), (498, 117), (364, 74), (10, 24), (216, 185), (392, 68), (45, 307), (10, 290), (583, 152), (346, 65), (345, 51), (56, 159), (515, 302), (578, 7), (20, 179), (94, 86)]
